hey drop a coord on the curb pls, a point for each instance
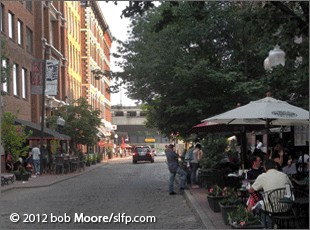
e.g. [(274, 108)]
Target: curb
[(104, 162), (5, 189), (195, 205)]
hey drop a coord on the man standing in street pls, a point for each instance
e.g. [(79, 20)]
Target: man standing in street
[(174, 168), (36, 159)]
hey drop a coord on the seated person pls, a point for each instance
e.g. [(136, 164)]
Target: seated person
[(277, 156), (303, 163), (270, 180), (290, 168), (256, 167), (9, 162)]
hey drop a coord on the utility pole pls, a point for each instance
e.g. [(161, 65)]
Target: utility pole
[(1, 104), (43, 101)]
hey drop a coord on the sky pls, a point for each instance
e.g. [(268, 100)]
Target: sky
[(118, 27)]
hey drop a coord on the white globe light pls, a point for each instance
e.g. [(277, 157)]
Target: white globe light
[(276, 57)]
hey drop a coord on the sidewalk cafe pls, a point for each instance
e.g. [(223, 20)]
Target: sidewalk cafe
[(275, 123)]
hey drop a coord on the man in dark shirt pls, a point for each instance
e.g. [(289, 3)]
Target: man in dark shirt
[(256, 167), (174, 168)]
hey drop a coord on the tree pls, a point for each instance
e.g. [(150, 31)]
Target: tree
[(14, 137), (81, 122), (191, 60)]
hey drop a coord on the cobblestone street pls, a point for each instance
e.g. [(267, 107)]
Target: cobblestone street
[(118, 187)]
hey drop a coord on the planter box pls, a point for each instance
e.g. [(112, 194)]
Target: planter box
[(214, 203), (24, 177), (208, 177), (257, 226), (225, 209), (21, 177)]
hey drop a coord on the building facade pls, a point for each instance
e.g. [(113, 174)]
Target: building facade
[(95, 63), (74, 35), (129, 123), (17, 31)]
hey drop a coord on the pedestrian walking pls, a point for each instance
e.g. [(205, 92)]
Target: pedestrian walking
[(174, 168), (36, 159)]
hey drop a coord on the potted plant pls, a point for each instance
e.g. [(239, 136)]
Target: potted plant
[(88, 160), (110, 153), (213, 148), (22, 174), (229, 203), (99, 157), (241, 218), (214, 195), (94, 159)]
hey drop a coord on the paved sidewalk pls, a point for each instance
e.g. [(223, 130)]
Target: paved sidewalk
[(46, 179), (196, 198)]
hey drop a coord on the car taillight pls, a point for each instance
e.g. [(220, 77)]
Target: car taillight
[(135, 154)]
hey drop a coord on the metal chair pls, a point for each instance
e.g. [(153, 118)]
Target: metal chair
[(274, 213), (301, 208), (74, 165), (66, 163), (59, 165)]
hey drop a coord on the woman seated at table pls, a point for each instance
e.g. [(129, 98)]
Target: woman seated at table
[(290, 168)]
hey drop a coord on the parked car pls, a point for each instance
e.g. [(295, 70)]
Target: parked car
[(142, 153)]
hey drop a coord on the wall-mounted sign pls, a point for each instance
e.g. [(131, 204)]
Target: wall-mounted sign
[(149, 140)]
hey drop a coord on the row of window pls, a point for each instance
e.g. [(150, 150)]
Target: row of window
[(19, 80), (74, 22), (20, 29), (129, 114)]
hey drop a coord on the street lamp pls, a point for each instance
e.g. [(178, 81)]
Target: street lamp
[(115, 142), (275, 57)]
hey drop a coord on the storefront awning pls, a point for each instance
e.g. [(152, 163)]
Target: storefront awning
[(36, 131), (103, 131)]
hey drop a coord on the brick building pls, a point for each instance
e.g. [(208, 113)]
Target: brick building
[(74, 35)]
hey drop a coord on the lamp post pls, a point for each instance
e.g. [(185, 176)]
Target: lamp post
[(115, 141)]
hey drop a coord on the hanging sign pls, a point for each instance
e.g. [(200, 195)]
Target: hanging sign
[(37, 77), (52, 71)]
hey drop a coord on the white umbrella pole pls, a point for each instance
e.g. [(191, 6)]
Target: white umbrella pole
[(267, 141)]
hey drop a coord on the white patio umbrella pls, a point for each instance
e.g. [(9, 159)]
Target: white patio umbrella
[(268, 111)]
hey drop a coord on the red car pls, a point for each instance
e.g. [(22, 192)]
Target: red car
[(142, 153)]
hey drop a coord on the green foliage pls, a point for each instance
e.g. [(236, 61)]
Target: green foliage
[(215, 191), (110, 153), (230, 197), (241, 217), (213, 148), (22, 171), (190, 60), (81, 122), (13, 137)]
